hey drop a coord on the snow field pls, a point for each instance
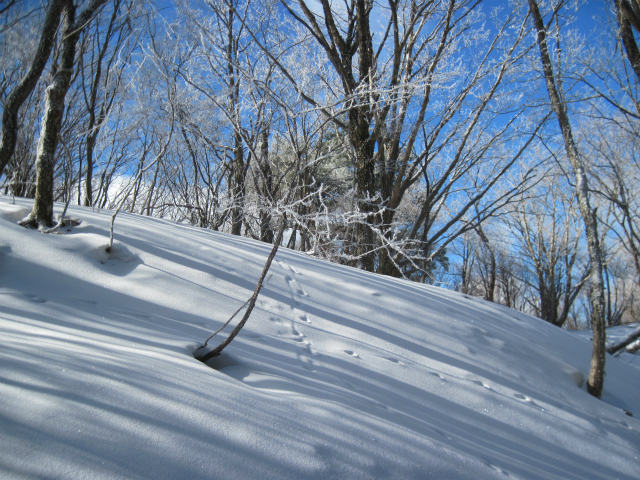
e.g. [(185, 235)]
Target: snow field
[(338, 373)]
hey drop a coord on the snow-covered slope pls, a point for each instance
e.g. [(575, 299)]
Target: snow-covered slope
[(338, 374)]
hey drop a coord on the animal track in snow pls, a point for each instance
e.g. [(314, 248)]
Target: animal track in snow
[(294, 287), (34, 298), (482, 384), (304, 352), (304, 356), (287, 266), (522, 397), (438, 375)]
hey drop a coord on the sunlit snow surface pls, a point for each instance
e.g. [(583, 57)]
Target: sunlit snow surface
[(339, 374)]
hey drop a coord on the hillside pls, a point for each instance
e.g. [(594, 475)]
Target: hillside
[(339, 374)]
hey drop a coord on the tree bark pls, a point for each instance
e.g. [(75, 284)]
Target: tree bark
[(22, 91), (266, 231), (629, 17), (237, 171), (490, 283), (42, 212), (238, 186), (596, 372), (363, 140)]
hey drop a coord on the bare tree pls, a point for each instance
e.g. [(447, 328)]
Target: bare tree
[(628, 14), (399, 108), (219, 36), (596, 372), (101, 67), (547, 230), (42, 212), (616, 177), (489, 265), (22, 91)]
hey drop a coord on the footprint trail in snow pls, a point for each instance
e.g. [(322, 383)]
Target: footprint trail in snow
[(296, 291)]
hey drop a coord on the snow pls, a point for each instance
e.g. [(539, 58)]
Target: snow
[(339, 374), (617, 334)]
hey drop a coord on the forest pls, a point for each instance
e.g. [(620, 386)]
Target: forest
[(486, 147)]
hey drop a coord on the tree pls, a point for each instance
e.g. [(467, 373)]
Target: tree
[(42, 212), (22, 91), (628, 14), (596, 372), (101, 67), (546, 228), (490, 271), (219, 36), (616, 177), (396, 94), (610, 129), (204, 355)]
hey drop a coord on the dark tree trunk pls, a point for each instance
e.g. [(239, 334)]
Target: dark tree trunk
[(548, 301), (266, 231), (238, 169), (490, 282), (628, 19), (91, 142), (95, 122), (363, 142), (147, 208), (238, 186)]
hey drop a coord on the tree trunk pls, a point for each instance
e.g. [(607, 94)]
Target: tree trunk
[(19, 95), (490, 283), (361, 139), (266, 231), (91, 142), (386, 264), (238, 187), (95, 123), (627, 19), (147, 208), (42, 212), (596, 372)]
